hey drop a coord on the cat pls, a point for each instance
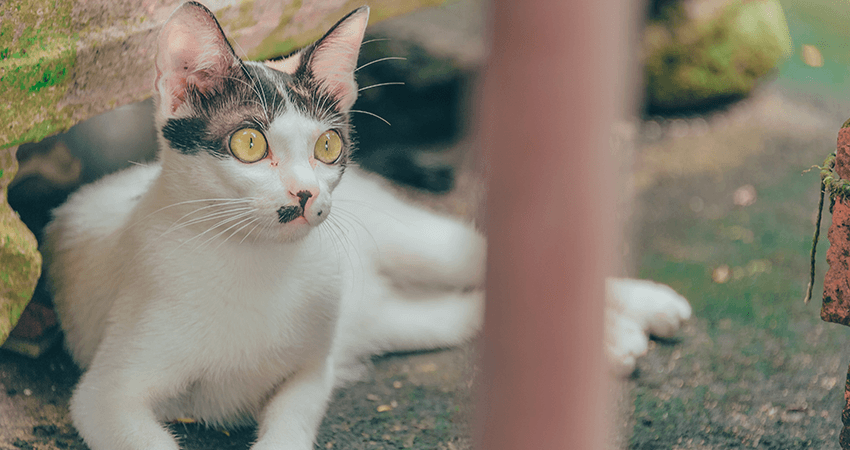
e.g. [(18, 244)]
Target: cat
[(208, 285), (240, 278)]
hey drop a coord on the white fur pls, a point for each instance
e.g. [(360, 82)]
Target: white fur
[(233, 330), (634, 310)]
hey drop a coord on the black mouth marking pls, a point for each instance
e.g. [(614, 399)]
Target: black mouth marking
[(287, 214)]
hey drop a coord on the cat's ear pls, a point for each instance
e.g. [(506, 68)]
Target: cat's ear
[(192, 52), (334, 57)]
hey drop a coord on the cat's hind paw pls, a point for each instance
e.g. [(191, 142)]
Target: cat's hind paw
[(635, 310), (655, 307)]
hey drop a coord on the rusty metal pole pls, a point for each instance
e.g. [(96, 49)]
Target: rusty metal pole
[(552, 87)]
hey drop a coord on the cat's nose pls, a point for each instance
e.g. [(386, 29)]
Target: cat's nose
[(303, 197)]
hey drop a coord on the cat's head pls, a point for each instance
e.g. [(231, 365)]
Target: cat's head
[(274, 136)]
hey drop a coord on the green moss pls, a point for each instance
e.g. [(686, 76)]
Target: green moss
[(20, 262), (35, 68), (693, 62)]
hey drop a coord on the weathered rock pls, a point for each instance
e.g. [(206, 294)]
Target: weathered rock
[(700, 52), (20, 262)]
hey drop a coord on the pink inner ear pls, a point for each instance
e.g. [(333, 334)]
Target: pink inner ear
[(335, 58), (192, 50)]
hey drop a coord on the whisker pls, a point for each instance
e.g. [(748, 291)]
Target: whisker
[(388, 83), (250, 231), (177, 225), (374, 40), (388, 58), (239, 217), (371, 114), (243, 222), (213, 227), (222, 201)]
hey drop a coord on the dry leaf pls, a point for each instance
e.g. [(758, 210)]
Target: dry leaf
[(745, 195), (385, 408), (372, 398), (811, 56), (721, 274), (425, 368)]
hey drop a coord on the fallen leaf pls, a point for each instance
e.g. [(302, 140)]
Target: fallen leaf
[(425, 368), (811, 56), (385, 408), (745, 195), (721, 274)]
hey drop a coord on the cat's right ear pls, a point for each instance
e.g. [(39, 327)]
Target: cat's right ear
[(192, 53)]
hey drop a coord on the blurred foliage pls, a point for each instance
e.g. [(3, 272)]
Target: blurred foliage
[(699, 53)]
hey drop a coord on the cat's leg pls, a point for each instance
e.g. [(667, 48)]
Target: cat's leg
[(434, 251), (443, 320), (112, 407), (635, 309), (291, 419)]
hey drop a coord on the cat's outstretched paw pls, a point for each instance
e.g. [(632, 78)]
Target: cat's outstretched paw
[(635, 310)]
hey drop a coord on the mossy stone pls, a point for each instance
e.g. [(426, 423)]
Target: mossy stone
[(698, 56), (20, 261)]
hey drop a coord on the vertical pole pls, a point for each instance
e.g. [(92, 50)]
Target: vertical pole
[(552, 88)]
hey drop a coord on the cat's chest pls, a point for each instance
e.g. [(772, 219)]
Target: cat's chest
[(251, 303)]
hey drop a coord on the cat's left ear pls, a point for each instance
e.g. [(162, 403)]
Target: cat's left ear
[(334, 57)]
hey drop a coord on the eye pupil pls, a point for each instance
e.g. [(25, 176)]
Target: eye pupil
[(248, 145), (328, 147)]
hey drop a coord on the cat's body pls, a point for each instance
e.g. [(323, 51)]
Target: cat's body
[(241, 277), (238, 317), (209, 285)]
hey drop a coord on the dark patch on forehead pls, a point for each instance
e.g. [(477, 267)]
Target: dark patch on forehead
[(267, 88), (246, 97), (189, 135)]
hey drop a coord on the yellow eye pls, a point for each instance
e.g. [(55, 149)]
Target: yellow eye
[(328, 147), (248, 145)]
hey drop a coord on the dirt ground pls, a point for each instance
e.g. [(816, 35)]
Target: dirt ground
[(725, 216)]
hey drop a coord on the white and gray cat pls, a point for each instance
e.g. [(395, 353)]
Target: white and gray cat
[(241, 277)]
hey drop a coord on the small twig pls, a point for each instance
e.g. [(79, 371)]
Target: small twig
[(815, 244)]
